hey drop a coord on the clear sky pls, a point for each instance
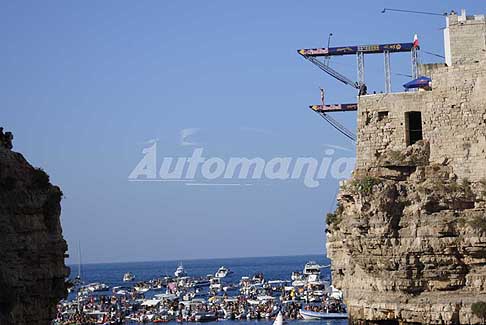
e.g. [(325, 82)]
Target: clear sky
[(85, 84)]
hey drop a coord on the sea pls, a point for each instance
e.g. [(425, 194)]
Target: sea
[(273, 268)]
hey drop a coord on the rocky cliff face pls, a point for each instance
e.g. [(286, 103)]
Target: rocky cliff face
[(408, 241), (32, 249)]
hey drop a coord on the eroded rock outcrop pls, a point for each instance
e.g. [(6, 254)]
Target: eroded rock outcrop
[(32, 249), (408, 241)]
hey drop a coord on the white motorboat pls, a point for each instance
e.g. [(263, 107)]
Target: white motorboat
[(314, 315), (312, 268), (296, 275), (222, 272), (141, 288), (299, 283), (180, 272), (128, 277), (230, 287), (121, 290), (312, 275), (93, 287), (316, 280), (99, 287), (258, 278)]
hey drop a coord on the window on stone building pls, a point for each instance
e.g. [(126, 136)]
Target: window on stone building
[(413, 126), (382, 115)]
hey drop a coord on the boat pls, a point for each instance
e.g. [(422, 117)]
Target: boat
[(222, 272), (180, 272), (296, 275), (128, 277), (258, 278), (98, 316), (141, 289), (299, 283), (245, 281), (201, 283), (279, 319), (314, 315), (205, 317), (312, 268), (93, 287), (215, 284), (77, 282), (98, 287), (230, 287), (121, 290)]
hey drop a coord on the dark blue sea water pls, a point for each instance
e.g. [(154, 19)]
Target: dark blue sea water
[(273, 268)]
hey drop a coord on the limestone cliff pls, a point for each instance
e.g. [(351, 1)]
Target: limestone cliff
[(408, 241), (32, 249)]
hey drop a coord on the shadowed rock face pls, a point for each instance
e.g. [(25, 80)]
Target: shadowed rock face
[(408, 241), (32, 249)]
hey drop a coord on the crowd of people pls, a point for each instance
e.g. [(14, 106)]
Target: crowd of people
[(119, 310), (184, 301)]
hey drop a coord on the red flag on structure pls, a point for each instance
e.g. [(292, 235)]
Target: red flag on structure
[(415, 41)]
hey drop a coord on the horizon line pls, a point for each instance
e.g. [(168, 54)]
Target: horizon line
[(200, 259)]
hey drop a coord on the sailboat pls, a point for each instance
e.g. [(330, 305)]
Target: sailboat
[(279, 319), (77, 282)]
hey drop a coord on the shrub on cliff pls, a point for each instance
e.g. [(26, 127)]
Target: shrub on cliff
[(336, 217), (479, 310), (40, 179), (456, 195), (478, 223), (364, 185), (483, 188), (333, 219), (415, 155)]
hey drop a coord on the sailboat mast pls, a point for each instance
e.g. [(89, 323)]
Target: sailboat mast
[(79, 260)]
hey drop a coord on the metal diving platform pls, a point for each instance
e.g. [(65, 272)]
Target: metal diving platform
[(335, 108)]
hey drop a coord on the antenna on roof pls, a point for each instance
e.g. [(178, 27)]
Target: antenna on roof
[(413, 12)]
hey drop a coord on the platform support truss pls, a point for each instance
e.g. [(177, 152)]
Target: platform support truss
[(388, 85), (415, 63), (361, 68), (338, 126)]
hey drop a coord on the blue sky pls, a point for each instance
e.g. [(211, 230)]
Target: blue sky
[(84, 86)]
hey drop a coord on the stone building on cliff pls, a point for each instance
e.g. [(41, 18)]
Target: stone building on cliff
[(408, 239), (451, 117)]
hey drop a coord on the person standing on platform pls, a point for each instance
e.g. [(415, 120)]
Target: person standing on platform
[(322, 96)]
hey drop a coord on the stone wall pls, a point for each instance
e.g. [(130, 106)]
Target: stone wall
[(453, 115), (466, 36)]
